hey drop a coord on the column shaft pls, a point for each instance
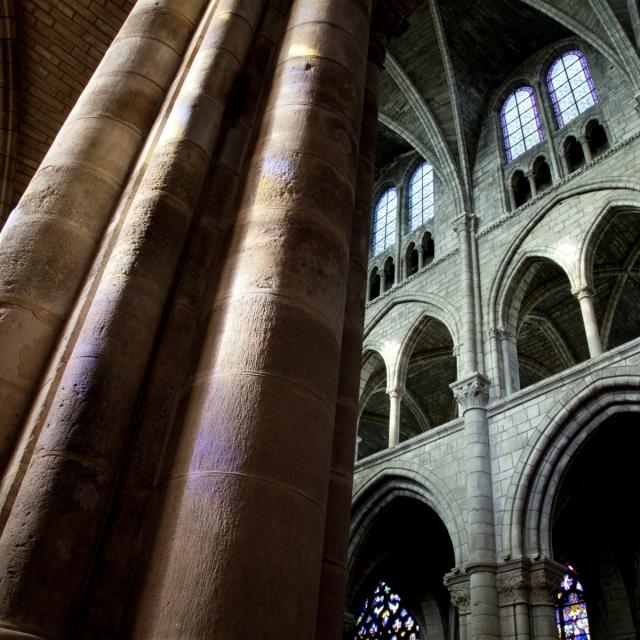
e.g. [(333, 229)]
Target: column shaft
[(468, 347), (585, 297), (177, 352), (395, 403), (249, 485), (336, 538), (51, 237), (472, 394), (70, 478)]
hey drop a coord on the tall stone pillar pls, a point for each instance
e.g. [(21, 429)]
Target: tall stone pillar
[(243, 513), (43, 551), (585, 298), (472, 394), (50, 239), (330, 618)]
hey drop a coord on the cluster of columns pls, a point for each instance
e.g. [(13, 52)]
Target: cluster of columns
[(180, 347)]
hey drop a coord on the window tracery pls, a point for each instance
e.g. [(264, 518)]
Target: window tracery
[(384, 221), (571, 86), (521, 122), (383, 617), (421, 196), (571, 610)]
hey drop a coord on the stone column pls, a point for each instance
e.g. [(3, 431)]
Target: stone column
[(509, 349), (495, 350), (472, 394), (532, 184), (458, 585), (336, 538), (585, 298), (50, 239), (70, 478), (469, 362), (395, 405), (513, 584), (249, 484), (152, 446), (545, 584), (586, 149), (401, 267), (512, 196)]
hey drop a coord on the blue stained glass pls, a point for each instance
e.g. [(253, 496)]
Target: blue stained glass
[(380, 619), (421, 196), (571, 86), (521, 123), (571, 612), (384, 221)]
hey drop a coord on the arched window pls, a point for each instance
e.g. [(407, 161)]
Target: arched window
[(421, 196), (374, 284), (412, 259), (571, 610), (521, 123), (389, 273), (521, 188), (384, 618), (384, 221), (541, 174), (597, 138), (573, 153), (571, 87)]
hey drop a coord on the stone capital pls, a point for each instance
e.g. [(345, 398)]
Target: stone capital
[(464, 223), (471, 392), (545, 581), (457, 584), (584, 291), (514, 582)]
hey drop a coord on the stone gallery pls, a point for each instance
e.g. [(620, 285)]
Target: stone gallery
[(319, 319)]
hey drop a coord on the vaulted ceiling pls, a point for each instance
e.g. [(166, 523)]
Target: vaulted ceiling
[(443, 73)]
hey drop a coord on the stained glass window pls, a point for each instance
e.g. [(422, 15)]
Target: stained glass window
[(571, 87), (521, 123), (384, 618), (384, 221), (421, 196), (571, 610)]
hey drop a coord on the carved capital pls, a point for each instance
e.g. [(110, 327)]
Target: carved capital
[(457, 583), (471, 392), (464, 223), (545, 582), (513, 587), (583, 292)]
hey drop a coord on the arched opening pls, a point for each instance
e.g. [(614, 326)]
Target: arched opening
[(408, 548), (428, 249), (541, 174), (373, 425), (596, 138), (521, 188), (545, 321), (615, 261), (595, 529), (389, 273), (573, 154), (412, 259), (428, 401), (374, 284)]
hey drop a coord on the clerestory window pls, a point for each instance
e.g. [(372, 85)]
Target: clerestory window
[(384, 221), (421, 196), (571, 86), (521, 123)]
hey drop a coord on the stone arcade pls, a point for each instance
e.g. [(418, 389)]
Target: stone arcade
[(187, 262)]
